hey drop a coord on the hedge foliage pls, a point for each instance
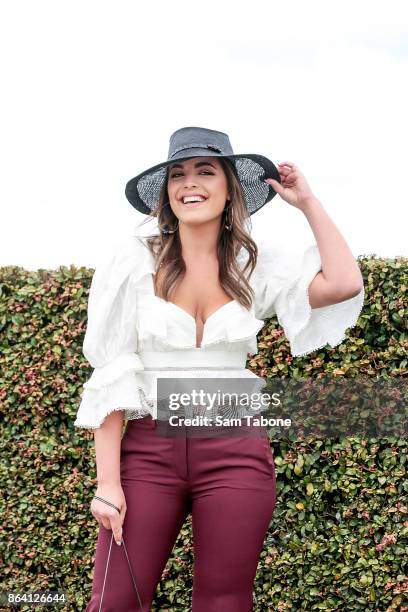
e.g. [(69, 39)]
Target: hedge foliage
[(338, 536)]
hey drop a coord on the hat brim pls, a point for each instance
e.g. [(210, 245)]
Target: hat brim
[(143, 190)]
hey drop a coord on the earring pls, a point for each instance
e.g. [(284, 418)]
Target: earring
[(168, 231), (229, 218)]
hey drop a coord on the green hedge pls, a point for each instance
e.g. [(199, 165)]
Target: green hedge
[(338, 536)]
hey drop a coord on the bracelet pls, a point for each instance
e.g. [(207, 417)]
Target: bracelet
[(106, 502)]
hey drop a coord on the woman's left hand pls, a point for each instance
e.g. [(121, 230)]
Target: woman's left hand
[(294, 188)]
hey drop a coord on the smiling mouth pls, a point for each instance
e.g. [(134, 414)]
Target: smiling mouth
[(194, 204)]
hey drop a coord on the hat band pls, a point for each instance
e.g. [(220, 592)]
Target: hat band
[(196, 146)]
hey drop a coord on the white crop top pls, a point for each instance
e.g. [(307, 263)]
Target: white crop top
[(133, 337)]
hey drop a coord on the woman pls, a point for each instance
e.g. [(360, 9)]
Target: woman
[(188, 301)]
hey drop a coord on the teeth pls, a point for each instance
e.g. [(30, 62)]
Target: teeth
[(193, 199)]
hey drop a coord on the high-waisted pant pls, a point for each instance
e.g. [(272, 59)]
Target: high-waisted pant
[(227, 484)]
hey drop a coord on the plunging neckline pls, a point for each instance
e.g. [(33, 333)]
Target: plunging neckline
[(184, 312)]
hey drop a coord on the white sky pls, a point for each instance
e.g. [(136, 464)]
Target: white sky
[(92, 90)]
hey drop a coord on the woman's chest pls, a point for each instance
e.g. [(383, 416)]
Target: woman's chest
[(165, 325), (200, 295)]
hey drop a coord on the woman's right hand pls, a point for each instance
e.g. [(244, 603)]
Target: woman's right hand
[(105, 514)]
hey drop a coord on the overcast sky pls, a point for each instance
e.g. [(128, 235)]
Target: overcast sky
[(92, 90)]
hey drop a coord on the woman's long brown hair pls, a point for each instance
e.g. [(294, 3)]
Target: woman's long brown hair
[(166, 248)]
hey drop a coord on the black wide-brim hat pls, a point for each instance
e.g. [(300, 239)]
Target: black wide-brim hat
[(143, 190)]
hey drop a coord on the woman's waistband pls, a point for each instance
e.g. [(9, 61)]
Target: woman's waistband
[(190, 359)]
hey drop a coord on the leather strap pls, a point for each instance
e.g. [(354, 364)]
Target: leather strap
[(130, 570)]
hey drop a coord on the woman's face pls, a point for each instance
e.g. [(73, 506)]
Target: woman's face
[(203, 176)]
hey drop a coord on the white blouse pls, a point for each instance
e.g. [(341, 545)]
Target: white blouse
[(134, 337)]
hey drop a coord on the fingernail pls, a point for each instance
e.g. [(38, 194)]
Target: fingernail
[(118, 542)]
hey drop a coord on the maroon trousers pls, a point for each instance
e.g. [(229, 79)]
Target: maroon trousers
[(227, 484)]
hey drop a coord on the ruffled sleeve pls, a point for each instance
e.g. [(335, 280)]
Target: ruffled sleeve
[(110, 343), (281, 282)]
